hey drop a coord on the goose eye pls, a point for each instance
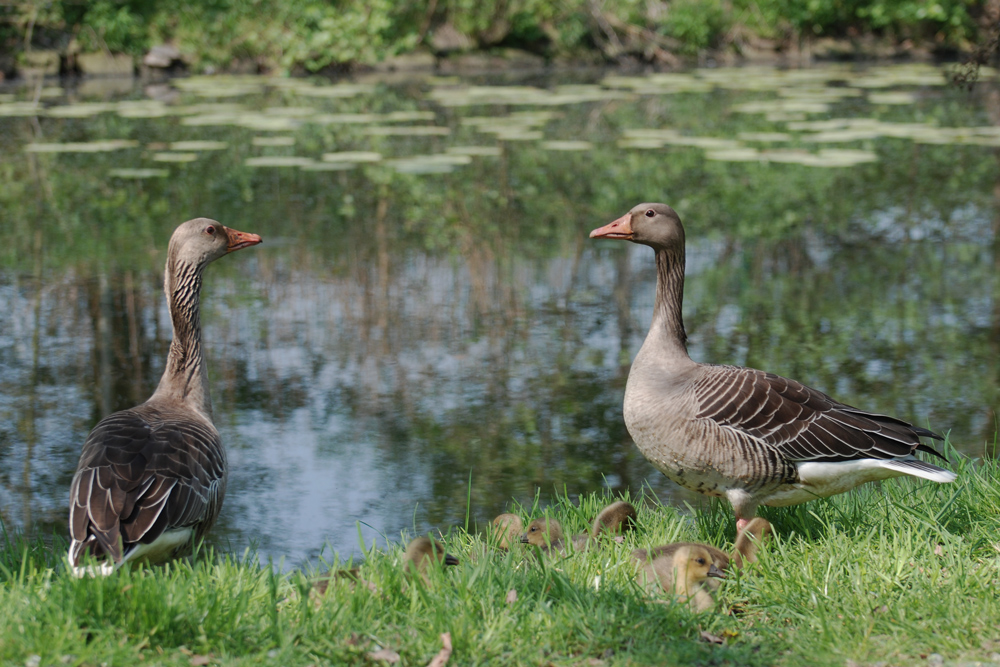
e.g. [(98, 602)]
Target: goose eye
[(210, 230), (650, 213), (701, 561)]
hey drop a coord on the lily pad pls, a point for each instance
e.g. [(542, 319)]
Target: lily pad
[(330, 166), (174, 157), (81, 110), (482, 151), (567, 145), (895, 97), (352, 156), (429, 164), (82, 147), (138, 173), (199, 146), (764, 137), (344, 118), (278, 161), (273, 141), (734, 155), (406, 131)]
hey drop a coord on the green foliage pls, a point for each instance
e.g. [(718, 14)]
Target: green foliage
[(697, 24), (113, 26), (946, 21), (315, 34)]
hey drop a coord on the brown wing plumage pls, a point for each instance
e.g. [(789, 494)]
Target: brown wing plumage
[(142, 472), (799, 423)]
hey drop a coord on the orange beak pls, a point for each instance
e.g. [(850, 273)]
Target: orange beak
[(239, 240), (619, 229)]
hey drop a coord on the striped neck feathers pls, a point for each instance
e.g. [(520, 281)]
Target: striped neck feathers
[(184, 378), (668, 322)]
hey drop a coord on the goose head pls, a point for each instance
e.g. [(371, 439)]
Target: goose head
[(422, 552), (542, 533), (655, 225), (202, 240)]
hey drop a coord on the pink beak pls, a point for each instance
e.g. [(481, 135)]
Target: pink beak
[(619, 229), (239, 240)]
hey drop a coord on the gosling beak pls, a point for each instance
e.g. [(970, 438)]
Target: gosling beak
[(239, 240), (524, 539), (619, 229), (450, 560), (713, 571)]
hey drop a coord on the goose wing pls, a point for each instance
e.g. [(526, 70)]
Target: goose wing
[(140, 475), (799, 423)]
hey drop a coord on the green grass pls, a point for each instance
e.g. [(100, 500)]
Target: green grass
[(889, 573)]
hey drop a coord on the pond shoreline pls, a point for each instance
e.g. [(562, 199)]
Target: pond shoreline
[(21, 68)]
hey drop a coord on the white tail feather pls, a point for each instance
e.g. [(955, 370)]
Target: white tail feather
[(918, 468)]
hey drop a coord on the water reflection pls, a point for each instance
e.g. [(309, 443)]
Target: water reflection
[(395, 335)]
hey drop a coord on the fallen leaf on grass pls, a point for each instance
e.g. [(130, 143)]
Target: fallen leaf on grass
[(441, 659), (200, 660), (511, 596), (938, 550), (710, 638), (386, 654)]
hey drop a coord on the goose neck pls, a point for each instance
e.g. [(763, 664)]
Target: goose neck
[(184, 379), (668, 321)]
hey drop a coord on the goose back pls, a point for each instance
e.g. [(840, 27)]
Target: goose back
[(142, 472)]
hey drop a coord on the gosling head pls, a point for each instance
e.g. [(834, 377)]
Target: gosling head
[(200, 241), (655, 225), (749, 540), (693, 565), (423, 552), (507, 528), (543, 533)]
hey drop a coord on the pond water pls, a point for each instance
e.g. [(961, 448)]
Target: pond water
[(427, 309)]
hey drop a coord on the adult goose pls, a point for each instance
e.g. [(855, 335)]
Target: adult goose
[(151, 479), (753, 437)]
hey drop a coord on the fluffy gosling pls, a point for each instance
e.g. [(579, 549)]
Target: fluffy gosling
[(547, 535), (423, 553), (617, 517), (749, 541), (507, 528), (683, 572)]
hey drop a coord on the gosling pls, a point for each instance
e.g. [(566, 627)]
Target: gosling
[(422, 553), (547, 535), (617, 517), (507, 528), (749, 541), (683, 572)]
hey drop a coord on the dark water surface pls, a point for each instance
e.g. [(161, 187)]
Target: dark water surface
[(409, 323)]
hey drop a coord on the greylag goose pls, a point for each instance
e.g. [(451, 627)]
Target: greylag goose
[(421, 553), (683, 572), (547, 535), (151, 479), (743, 434), (507, 528), (617, 517)]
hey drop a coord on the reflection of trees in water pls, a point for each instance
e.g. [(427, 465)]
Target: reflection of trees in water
[(513, 368), (464, 321)]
